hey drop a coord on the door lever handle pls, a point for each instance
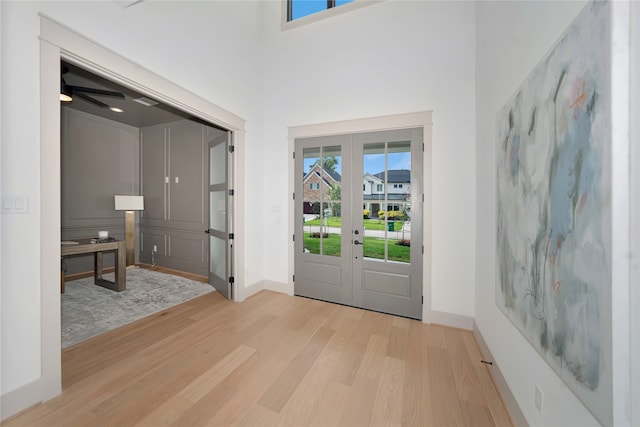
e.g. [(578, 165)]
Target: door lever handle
[(207, 231), (356, 242)]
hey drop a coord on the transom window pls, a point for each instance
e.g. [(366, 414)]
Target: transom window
[(301, 8)]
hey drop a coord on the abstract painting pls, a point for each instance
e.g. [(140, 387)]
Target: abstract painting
[(554, 209)]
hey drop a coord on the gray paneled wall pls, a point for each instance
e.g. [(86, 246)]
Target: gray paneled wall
[(165, 163), (174, 180), (99, 159)]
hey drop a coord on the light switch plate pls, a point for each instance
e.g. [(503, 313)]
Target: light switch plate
[(15, 204)]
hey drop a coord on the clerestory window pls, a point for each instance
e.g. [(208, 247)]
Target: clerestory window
[(301, 8)]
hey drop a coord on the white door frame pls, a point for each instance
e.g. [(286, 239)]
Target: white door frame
[(634, 200), (400, 121), (59, 42)]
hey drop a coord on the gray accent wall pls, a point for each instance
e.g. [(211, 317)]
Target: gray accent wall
[(99, 159)]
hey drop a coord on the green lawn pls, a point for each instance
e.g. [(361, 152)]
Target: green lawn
[(373, 247), (334, 221), (369, 224)]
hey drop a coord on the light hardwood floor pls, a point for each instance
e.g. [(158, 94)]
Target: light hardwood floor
[(273, 359)]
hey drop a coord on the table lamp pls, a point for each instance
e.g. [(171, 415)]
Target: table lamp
[(129, 204)]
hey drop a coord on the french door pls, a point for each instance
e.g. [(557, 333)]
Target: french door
[(219, 230), (358, 230)]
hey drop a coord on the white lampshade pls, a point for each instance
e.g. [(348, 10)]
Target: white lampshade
[(129, 203)]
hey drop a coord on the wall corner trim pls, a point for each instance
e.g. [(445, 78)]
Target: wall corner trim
[(517, 416)]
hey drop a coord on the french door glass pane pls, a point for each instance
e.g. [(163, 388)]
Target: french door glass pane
[(322, 193), (387, 201), (218, 257), (399, 200), (217, 169), (332, 172), (217, 210)]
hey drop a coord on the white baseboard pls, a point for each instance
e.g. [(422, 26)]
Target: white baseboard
[(449, 319), (245, 293), (20, 399), (505, 392), (283, 288), (269, 285)]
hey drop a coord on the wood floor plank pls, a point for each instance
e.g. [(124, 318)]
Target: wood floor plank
[(329, 405), (272, 360), (253, 380), (387, 408), (397, 346), (496, 406), (474, 414), (373, 357), (465, 377), (213, 376), (257, 415), (437, 337), (380, 323), (416, 405), (202, 411), (445, 403), (300, 407), (358, 407), (166, 414), (354, 350), (280, 392)]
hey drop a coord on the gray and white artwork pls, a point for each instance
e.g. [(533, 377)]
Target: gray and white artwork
[(554, 209)]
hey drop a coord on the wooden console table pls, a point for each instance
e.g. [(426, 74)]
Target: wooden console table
[(85, 246)]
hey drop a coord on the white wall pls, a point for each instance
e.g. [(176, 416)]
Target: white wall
[(388, 58), (512, 37), (212, 48)]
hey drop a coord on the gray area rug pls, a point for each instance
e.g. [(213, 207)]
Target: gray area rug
[(89, 310)]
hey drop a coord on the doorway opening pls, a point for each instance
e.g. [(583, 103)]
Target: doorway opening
[(118, 141), (57, 43)]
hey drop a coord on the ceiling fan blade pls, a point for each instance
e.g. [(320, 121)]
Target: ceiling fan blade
[(77, 89), (90, 99)]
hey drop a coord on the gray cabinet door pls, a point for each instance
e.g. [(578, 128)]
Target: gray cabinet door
[(359, 210)]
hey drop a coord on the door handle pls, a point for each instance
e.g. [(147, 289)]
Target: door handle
[(356, 242), (207, 231)]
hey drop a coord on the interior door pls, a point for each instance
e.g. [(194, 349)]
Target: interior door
[(359, 209), (220, 241)]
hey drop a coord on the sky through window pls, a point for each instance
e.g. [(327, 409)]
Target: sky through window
[(301, 8)]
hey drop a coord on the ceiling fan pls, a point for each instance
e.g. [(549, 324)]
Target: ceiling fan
[(67, 92)]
